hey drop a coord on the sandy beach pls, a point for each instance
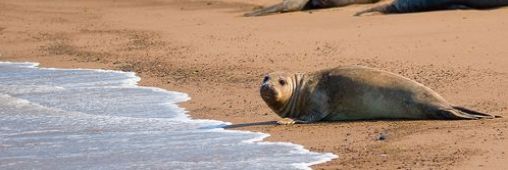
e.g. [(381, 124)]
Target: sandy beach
[(205, 48)]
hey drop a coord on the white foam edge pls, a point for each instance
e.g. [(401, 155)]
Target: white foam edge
[(29, 64), (133, 80), (299, 148)]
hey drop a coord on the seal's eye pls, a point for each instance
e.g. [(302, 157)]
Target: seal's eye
[(282, 82), (266, 78)]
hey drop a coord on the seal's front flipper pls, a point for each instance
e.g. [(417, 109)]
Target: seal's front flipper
[(265, 11), (286, 121), (384, 9), (289, 121)]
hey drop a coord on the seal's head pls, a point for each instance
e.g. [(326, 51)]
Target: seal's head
[(277, 89)]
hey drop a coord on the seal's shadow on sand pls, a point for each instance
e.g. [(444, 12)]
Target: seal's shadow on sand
[(240, 125), (274, 123)]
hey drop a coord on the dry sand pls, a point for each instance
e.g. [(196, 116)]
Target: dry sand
[(206, 49)]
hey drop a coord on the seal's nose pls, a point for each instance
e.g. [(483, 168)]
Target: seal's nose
[(266, 86), (266, 90)]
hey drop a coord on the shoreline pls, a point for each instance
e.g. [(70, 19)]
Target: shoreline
[(218, 58)]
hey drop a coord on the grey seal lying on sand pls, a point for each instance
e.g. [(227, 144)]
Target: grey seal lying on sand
[(355, 93)]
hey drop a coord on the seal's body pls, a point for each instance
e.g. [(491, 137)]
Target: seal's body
[(355, 93), (299, 5), (405, 6)]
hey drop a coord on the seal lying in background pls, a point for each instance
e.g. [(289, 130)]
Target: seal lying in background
[(404, 6), (299, 5), (355, 93)]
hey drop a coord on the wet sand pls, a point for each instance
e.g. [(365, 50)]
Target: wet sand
[(206, 49)]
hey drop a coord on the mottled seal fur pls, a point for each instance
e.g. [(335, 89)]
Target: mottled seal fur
[(299, 5), (355, 93), (405, 6)]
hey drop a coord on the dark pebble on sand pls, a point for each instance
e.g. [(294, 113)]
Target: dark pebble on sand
[(381, 136)]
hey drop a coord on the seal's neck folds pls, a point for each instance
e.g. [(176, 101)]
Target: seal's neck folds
[(297, 85)]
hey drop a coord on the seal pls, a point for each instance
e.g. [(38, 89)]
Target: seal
[(355, 93), (300, 5), (405, 6)]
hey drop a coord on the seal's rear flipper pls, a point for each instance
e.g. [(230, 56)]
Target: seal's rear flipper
[(285, 6), (459, 112), (266, 11), (474, 112), (384, 9)]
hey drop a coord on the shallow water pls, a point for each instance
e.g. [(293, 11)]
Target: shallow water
[(98, 119)]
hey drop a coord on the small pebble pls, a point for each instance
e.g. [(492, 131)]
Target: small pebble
[(381, 136)]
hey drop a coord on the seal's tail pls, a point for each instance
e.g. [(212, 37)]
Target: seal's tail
[(460, 112)]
